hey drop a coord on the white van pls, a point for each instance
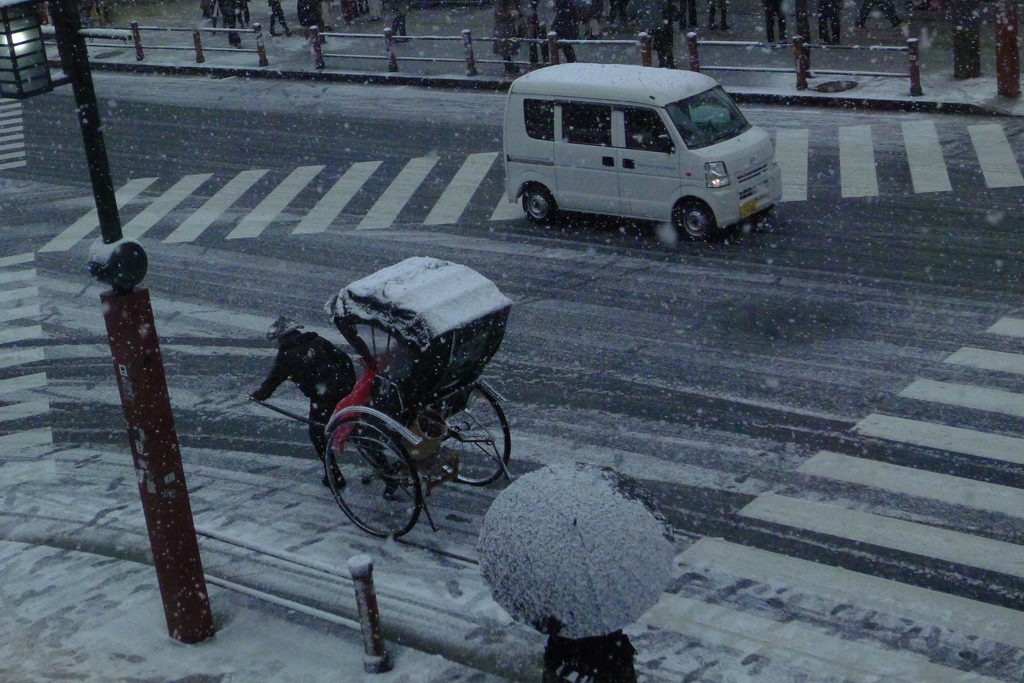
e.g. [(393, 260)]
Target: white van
[(638, 142)]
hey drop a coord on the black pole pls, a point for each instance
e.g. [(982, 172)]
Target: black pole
[(74, 59)]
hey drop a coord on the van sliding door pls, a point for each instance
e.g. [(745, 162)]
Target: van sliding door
[(585, 161), (648, 165)]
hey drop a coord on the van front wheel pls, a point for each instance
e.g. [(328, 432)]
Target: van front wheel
[(695, 219), (538, 203)]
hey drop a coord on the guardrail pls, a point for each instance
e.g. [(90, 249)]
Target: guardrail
[(542, 50)]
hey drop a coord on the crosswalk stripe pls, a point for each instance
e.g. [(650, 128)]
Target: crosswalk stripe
[(1008, 327), (7, 130), (966, 396), (506, 210), (798, 646), (943, 437), (460, 190), (888, 532), (791, 151), (29, 437), (204, 216), (277, 201), (19, 313), (12, 145), (12, 138), (337, 198), (13, 155), (17, 259), (17, 275), (8, 295), (20, 334), (34, 381), (16, 357), (923, 484), (399, 192), (928, 607), (983, 359), (90, 221), (13, 164), (997, 161), (163, 205), (857, 162), (20, 411)]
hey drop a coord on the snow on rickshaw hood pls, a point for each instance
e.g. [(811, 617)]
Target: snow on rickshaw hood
[(420, 298)]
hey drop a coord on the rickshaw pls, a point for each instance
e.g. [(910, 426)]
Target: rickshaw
[(420, 415)]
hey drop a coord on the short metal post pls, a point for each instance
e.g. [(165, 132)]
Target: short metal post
[(199, 46), (467, 42), (138, 41), (389, 47), (645, 49), (1007, 49), (257, 28), (915, 68), (691, 45), (553, 47), (318, 53), (802, 63), (376, 659)]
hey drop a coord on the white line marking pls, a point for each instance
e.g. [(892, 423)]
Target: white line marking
[(897, 534), (13, 164), (460, 190), (30, 437), (10, 359), (163, 205), (8, 129), (277, 201), (34, 381), (16, 259), (791, 151), (799, 646), (983, 359), (996, 158), (923, 484), (1008, 327), (20, 471), (506, 210), (336, 199), (18, 334), (9, 295), (23, 410), (943, 437), (13, 155), (17, 275), (857, 162), (194, 225), (962, 615), (398, 194), (12, 145), (966, 396), (19, 313), (90, 221), (8, 138)]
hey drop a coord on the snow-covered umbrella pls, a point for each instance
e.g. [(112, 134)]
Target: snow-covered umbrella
[(570, 550)]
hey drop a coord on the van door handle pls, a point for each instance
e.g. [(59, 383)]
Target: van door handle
[(628, 163), (608, 161)]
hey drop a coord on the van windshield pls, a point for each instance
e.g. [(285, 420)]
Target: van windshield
[(707, 118)]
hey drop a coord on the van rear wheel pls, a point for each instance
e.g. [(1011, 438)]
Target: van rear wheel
[(695, 219), (538, 203)]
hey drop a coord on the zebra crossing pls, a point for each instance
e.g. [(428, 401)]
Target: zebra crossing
[(895, 528), (191, 195), (12, 135)]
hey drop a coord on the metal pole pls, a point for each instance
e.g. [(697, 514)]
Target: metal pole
[(645, 49), (553, 47), (376, 659), (389, 47), (691, 44), (915, 68), (467, 42), (261, 50), (137, 38), (199, 46), (318, 52), (800, 52), (1007, 49)]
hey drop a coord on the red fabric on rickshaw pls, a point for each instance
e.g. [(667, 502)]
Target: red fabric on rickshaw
[(360, 396)]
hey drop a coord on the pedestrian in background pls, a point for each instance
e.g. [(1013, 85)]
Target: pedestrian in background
[(772, 14), (309, 16), (828, 21), (663, 35), (617, 12), (229, 12), (349, 11), (507, 27), (567, 25), (687, 14), (723, 7), (277, 14), (398, 9), (374, 10), (886, 8), (243, 13)]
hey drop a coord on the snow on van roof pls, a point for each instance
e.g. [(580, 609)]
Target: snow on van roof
[(614, 82)]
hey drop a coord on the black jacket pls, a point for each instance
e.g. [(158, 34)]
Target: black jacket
[(317, 366)]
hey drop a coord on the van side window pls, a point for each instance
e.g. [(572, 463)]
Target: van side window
[(646, 131), (587, 124), (540, 119)]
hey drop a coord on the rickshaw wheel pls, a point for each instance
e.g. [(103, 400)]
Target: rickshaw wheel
[(482, 442), (381, 490)]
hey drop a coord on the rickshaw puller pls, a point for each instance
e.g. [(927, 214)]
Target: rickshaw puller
[(322, 372)]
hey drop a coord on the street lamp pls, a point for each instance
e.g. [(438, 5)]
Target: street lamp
[(131, 331)]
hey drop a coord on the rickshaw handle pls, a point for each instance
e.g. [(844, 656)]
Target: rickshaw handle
[(312, 423)]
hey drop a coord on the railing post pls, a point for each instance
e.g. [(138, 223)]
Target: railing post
[(802, 63), (318, 52), (389, 47), (467, 42), (691, 44), (138, 41), (261, 50), (199, 46), (376, 659), (553, 47), (915, 68), (645, 48)]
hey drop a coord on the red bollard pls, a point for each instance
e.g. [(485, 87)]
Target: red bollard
[(691, 44), (467, 42), (553, 47), (1007, 49), (376, 659), (802, 62), (261, 50), (645, 49), (915, 68), (199, 46), (389, 47), (318, 52), (154, 444), (138, 41)]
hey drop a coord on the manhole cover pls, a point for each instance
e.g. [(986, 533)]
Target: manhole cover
[(835, 86)]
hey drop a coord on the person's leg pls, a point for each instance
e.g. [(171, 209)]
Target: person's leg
[(570, 53), (862, 16), (890, 13), (769, 20), (782, 19)]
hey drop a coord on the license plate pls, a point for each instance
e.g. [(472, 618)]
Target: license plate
[(748, 208)]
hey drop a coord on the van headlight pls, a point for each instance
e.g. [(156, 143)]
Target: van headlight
[(715, 174)]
